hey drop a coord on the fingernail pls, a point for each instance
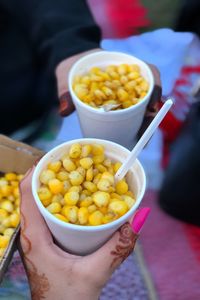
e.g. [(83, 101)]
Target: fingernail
[(139, 219)]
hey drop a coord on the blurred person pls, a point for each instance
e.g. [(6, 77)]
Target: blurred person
[(40, 40), (37, 38), (56, 274)]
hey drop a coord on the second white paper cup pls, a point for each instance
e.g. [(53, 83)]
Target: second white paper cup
[(119, 126), (79, 239)]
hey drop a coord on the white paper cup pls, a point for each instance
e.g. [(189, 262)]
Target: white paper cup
[(119, 126), (79, 239)]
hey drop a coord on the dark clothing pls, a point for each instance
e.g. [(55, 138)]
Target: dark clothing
[(35, 35), (189, 17)]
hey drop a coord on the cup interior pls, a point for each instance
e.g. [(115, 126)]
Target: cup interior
[(136, 180)]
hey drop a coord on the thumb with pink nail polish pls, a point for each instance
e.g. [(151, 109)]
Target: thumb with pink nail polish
[(139, 219)]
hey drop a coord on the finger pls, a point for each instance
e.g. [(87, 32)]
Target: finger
[(66, 105), (33, 225), (120, 246)]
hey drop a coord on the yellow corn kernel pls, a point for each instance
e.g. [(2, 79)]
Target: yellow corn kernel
[(82, 197), (86, 162), (4, 240), (83, 215), (11, 176), (20, 177), (77, 79), (130, 86), (61, 217), (110, 170), (69, 165), (139, 80), (57, 198), (100, 95), (66, 186), (2, 228), (101, 168), (54, 208), (86, 80), (121, 187), (122, 95), (138, 90), (101, 198), (127, 104), (96, 218), (16, 192), (55, 186), (55, 166), (129, 201), (82, 171), (97, 149), (80, 90), (118, 207), (103, 210), (71, 213), (3, 182), (107, 163), (103, 185), (75, 150), (109, 217), (6, 222), (46, 175), (62, 175), (14, 183), (96, 78), (11, 198), (107, 91), (115, 196), (77, 189), (86, 202), (86, 192), (90, 186), (133, 75), (9, 231), (91, 208), (7, 206), (122, 69), (76, 178), (86, 150), (89, 174), (14, 219), (6, 190), (143, 94), (45, 195), (111, 68), (123, 79), (95, 171), (3, 214), (108, 176), (71, 198), (98, 159), (95, 70)]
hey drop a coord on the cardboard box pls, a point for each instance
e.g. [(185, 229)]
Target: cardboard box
[(14, 157)]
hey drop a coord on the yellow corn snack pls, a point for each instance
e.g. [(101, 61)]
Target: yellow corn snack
[(9, 205), (79, 188), (121, 84)]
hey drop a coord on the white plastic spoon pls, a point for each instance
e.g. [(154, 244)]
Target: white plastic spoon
[(143, 140)]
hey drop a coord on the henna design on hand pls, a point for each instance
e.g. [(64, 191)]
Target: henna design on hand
[(39, 283), (127, 241)]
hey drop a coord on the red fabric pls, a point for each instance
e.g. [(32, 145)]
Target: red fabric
[(126, 17)]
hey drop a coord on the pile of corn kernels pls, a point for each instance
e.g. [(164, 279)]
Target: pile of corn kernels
[(79, 188), (123, 85), (9, 208)]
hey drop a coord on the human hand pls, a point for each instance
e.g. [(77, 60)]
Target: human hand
[(56, 274)]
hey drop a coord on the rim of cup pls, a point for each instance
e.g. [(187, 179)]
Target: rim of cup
[(88, 228), (113, 112)]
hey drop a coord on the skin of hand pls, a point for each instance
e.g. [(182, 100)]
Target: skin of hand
[(56, 274)]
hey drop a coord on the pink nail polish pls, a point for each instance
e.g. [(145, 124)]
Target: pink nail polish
[(139, 219)]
